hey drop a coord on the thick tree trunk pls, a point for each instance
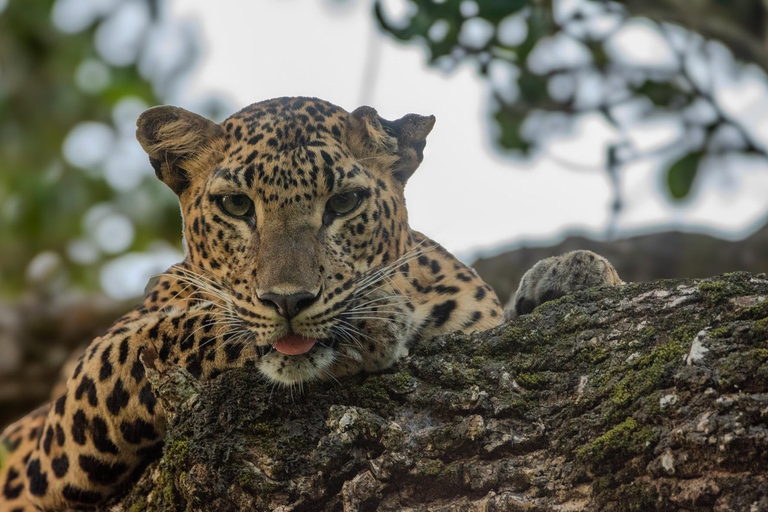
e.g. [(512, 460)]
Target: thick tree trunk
[(646, 397)]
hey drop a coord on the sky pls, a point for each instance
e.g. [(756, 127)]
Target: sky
[(467, 194)]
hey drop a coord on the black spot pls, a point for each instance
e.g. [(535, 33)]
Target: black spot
[(233, 351), (480, 293), (60, 465), (48, 440), (194, 366), (118, 399), (124, 350), (78, 495), (78, 368), (435, 267), (11, 492), (135, 431), (37, 480), (59, 406), (523, 306), (147, 398), (60, 437), (100, 436), (101, 472), (165, 350), (106, 365), (442, 312), (137, 371), (551, 294), (89, 387), (79, 426), (326, 157), (188, 341)]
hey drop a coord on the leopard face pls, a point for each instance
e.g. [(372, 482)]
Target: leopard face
[(296, 227)]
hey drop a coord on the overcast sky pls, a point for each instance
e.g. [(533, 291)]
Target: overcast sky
[(467, 195)]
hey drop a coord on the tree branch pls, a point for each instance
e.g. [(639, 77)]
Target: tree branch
[(644, 397)]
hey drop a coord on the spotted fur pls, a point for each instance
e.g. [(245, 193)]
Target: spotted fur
[(557, 276), (370, 285)]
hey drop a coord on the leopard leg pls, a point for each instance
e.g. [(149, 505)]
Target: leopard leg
[(554, 277), (100, 435), (17, 443)]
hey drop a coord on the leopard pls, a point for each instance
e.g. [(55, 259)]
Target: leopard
[(300, 264)]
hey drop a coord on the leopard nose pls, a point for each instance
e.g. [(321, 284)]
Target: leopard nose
[(289, 305)]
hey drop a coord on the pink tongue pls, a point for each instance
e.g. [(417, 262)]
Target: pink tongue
[(293, 345)]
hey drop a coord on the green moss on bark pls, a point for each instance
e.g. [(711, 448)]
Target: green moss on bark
[(608, 398)]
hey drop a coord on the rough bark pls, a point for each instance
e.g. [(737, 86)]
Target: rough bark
[(646, 397)]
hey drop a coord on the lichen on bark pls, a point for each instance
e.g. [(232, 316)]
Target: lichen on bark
[(645, 397)]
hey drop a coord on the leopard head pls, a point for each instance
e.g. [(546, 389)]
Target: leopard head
[(294, 216)]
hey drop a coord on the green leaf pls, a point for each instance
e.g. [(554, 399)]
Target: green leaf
[(510, 123), (681, 174), (662, 94), (495, 10)]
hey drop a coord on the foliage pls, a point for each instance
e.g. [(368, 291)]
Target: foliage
[(549, 63), (73, 77)]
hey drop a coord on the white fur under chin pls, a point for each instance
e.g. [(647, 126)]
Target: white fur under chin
[(314, 365)]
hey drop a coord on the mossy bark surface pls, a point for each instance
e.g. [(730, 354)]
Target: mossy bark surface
[(645, 397)]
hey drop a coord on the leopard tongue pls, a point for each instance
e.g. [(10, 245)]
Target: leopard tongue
[(294, 344)]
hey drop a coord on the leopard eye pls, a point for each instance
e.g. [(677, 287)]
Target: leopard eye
[(237, 205), (342, 204)]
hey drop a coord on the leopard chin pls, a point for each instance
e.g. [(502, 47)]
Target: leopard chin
[(291, 370)]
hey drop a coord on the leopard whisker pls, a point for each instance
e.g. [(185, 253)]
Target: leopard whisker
[(381, 318), (406, 257)]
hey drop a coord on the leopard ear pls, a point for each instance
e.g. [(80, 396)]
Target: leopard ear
[(180, 144), (396, 145)]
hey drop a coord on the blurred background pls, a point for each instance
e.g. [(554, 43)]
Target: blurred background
[(638, 129)]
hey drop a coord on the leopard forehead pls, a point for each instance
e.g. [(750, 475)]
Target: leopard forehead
[(283, 124), (287, 151), (289, 155)]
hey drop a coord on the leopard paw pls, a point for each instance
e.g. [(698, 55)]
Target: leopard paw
[(554, 277)]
